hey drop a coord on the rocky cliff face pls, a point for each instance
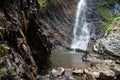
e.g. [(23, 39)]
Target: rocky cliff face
[(107, 47), (30, 47), (58, 19)]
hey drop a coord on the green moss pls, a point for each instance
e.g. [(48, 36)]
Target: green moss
[(42, 3)]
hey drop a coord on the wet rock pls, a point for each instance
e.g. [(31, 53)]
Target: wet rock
[(78, 71), (118, 61), (94, 74), (61, 78), (86, 70), (102, 72), (89, 77), (68, 74), (58, 72), (116, 69), (107, 75), (110, 46), (109, 62)]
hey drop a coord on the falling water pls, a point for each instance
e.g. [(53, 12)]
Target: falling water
[(81, 31)]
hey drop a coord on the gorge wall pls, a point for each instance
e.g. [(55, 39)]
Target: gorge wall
[(59, 19), (30, 48)]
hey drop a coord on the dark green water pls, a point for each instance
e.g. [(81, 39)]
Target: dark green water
[(68, 59)]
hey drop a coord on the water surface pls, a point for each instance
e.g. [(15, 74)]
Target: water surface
[(68, 59)]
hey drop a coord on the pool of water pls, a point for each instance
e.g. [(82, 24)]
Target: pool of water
[(68, 59)]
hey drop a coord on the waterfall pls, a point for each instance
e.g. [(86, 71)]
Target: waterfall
[(81, 31)]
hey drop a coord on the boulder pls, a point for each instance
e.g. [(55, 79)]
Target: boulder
[(58, 72), (107, 75), (116, 69), (69, 75)]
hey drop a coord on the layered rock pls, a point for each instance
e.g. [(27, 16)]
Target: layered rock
[(25, 35), (58, 19), (109, 46)]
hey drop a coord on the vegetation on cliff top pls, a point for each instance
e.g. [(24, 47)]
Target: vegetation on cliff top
[(103, 8)]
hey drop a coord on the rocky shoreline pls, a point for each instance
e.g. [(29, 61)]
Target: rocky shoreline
[(99, 70)]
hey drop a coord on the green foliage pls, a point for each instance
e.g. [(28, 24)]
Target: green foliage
[(1, 28), (103, 7), (109, 26), (105, 13), (115, 20), (4, 46), (42, 3)]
